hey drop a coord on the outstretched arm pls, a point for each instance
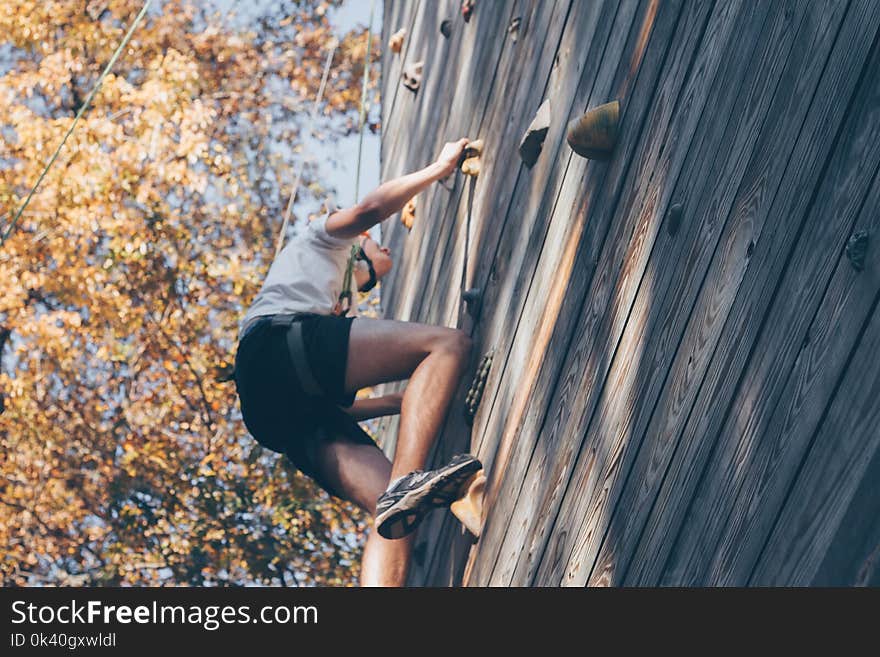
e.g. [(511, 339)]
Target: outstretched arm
[(391, 196)]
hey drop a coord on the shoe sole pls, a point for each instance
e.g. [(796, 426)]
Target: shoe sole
[(398, 522)]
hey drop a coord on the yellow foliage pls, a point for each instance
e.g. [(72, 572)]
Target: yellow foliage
[(124, 462)]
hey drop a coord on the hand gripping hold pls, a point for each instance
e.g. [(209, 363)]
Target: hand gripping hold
[(471, 164)]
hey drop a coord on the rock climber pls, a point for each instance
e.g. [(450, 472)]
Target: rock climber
[(302, 357)]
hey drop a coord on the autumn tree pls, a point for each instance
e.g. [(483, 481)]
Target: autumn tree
[(124, 459)]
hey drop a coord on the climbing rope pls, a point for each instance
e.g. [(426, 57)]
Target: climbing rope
[(344, 302), (467, 241), (298, 179), (79, 114), (362, 122), (343, 305)]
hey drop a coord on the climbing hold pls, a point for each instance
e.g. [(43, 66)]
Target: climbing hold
[(857, 249), (673, 218), (533, 139), (513, 28), (472, 299), (475, 392), (471, 156), (468, 508), (395, 43), (471, 166), (408, 214), (412, 76), (594, 134), (467, 8), (446, 28)]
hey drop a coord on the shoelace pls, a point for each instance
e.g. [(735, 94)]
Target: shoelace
[(414, 477)]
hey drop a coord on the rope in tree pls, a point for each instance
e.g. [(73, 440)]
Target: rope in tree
[(79, 114), (362, 120), (363, 117), (297, 180)]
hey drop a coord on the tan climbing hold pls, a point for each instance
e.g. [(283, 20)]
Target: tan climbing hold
[(408, 215), (471, 164), (412, 76), (594, 135), (395, 43), (468, 508)]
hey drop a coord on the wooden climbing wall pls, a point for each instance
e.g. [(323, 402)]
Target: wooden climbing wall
[(676, 398)]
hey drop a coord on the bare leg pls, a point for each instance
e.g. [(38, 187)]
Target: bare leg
[(433, 358), (361, 473)]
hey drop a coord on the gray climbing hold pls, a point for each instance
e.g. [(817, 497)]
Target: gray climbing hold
[(673, 218), (857, 249), (472, 299), (533, 139), (446, 28)]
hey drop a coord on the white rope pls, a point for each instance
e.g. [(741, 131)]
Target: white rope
[(314, 113), (357, 177), (79, 114)]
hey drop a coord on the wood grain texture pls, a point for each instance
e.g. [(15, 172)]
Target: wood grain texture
[(754, 294), (663, 404), (613, 367), (838, 460), (711, 268)]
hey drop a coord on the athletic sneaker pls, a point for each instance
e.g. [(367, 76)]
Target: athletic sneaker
[(409, 498)]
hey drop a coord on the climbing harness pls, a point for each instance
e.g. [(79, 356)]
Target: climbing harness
[(343, 303), (79, 114), (297, 349)]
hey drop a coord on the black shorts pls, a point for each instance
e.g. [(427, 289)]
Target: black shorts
[(276, 411)]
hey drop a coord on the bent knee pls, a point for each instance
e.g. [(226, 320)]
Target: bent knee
[(460, 343), (450, 341), (465, 343)]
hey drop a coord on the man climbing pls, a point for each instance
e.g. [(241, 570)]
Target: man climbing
[(301, 360)]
